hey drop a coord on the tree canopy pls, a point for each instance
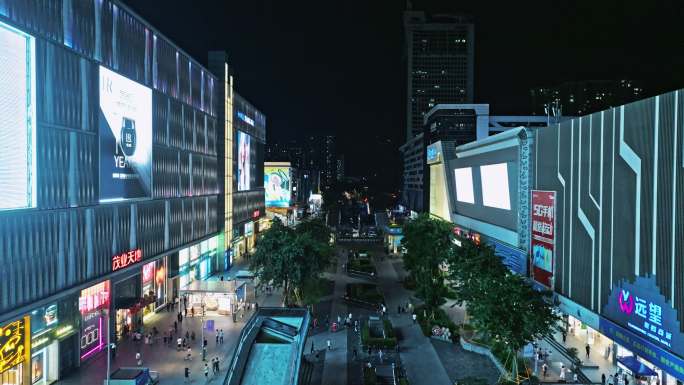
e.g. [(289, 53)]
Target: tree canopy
[(427, 242), (292, 259)]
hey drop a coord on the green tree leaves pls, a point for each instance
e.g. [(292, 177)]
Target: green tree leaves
[(292, 259), (428, 243)]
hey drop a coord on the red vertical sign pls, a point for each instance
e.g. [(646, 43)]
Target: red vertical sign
[(543, 238)]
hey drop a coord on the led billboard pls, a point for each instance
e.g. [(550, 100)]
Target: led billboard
[(277, 185), (125, 127), (464, 185), (543, 239), (244, 161), (495, 191), (17, 119)]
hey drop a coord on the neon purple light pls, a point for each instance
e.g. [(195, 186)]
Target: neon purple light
[(99, 345), (626, 302)]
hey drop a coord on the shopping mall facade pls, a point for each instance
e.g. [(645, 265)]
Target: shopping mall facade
[(590, 208), (113, 200)]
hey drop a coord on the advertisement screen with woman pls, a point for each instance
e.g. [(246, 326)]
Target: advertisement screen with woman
[(243, 161)]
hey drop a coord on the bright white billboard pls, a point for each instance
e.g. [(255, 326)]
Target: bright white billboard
[(125, 127), (495, 191), (464, 185), (244, 161), (17, 119)]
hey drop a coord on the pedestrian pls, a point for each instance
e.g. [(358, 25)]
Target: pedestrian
[(192, 336), (329, 344), (187, 374), (355, 353), (218, 360), (164, 338), (610, 380), (587, 348), (562, 374), (204, 353), (574, 377), (205, 343), (315, 323), (175, 326), (380, 355), (112, 346), (544, 369), (179, 342), (138, 358), (603, 379), (312, 346), (188, 355), (414, 317), (565, 336), (356, 325), (206, 371), (186, 313), (192, 311), (339, 319), (187, 334), (221, 336), (217, 338), (370, 350)]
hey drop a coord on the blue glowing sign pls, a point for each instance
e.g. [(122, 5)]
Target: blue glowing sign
[(433, 152), (640, 307), (667, 361)]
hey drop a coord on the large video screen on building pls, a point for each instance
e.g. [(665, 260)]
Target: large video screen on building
[(244, 161), (125, 127), (277, 185), (464, 185), (17, 119), (495, 192)]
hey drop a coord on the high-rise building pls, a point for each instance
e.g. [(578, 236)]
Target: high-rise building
[(340, 168), (584, 97), (329, 162), (440, 63)]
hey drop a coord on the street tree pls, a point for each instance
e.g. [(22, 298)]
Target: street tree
[(502, 305), (291, 259), (427, 242)]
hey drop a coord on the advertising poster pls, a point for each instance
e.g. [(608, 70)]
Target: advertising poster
[(244, 161), (93, 304), (125, 128), (15, 343), (277, 186), (543, 235)]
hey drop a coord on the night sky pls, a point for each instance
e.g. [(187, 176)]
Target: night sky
[(324, 67)]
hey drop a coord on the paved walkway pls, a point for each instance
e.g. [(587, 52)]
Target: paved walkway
[(165, 359), (419, 357), (335, 360)]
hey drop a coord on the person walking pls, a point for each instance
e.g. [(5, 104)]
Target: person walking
[(329, 344), (587, 348), (414, 317), (138, 358), (380, 355), (188, 355), (544, 369), (603, 379), (218, 368), (217, 338), (175, 326), (221, 337), (610, 380), (574, 377), (312, 346), (179, 342), (187, 374), (355, 353), (206, 371), (565, 336)]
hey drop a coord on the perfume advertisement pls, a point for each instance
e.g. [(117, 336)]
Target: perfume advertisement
[(125, 128), (244, 162)]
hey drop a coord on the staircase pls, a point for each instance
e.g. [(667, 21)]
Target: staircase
[(581, 377), (306, 371)]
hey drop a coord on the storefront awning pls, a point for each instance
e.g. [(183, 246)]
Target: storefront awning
[(212, 287), (635, 366)]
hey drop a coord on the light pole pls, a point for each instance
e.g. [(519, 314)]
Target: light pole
[(109, 346)]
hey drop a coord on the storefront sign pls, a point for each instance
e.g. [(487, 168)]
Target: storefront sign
[(15, 343), (434, 153), (249, 228), (641, 308), (43, 318), (256, 213), (63, 331), (126, 259), (94, 298), (543, 236), (668, 362)]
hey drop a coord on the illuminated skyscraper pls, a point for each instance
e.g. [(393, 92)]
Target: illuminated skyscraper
[(440, 64)]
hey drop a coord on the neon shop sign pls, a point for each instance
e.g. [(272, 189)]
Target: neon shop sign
[(126, 259), (640, 307)]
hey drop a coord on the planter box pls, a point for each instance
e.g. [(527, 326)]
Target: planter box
[(484, 350)]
